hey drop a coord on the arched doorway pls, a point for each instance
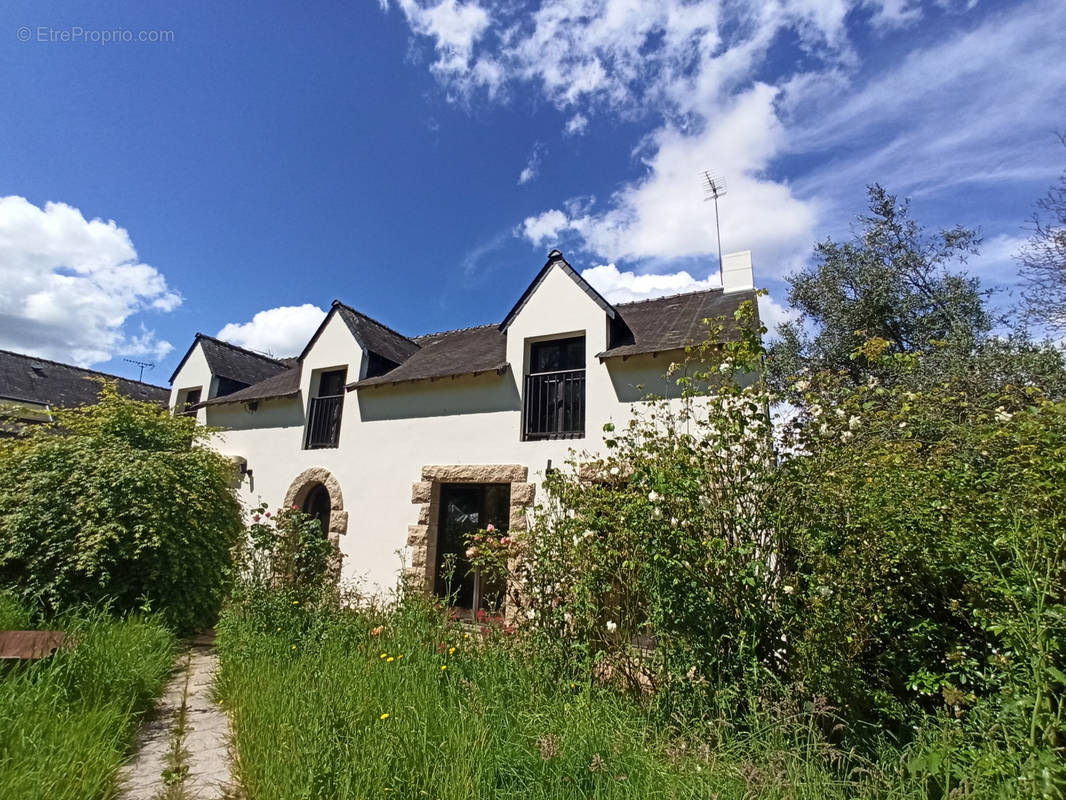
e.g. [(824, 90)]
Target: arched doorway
[(317, 504), (317, 492)]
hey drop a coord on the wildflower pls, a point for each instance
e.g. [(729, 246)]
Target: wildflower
[(389, 660), (614, 470), (471, 552), (823, 429), (673, 522), (490, 527), (1002, 415), (279, 627), (383, 655), (296, 602), (854, 422), (656, 513), (443, 667), (505, 540), (846, 435), (294, 647), (268, 515), (653, 496), (384, 716), (802, 386), (294, 508), (377, 630), (220, 702), (466, 635), (903, 424), (451, 650), (399, 656), (611, 626), (787, 589), (531, 614), (255, 518)]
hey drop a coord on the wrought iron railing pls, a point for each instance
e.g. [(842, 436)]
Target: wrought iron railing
[(554, 405), (324, 422)]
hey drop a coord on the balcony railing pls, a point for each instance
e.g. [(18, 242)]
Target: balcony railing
[(554, 405), (324, 422)]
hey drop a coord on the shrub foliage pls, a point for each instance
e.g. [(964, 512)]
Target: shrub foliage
[(118, 501)]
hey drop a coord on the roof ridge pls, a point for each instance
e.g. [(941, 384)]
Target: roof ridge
[(668, 297), (458, 330), (82, 369), (375, 321), (246, 350)]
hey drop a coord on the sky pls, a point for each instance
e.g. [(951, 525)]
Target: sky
[(232, 168)]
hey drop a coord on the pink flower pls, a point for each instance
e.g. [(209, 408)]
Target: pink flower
[(471, 552), (268, 515), (294, 507), (505, 540), (490, 527), (255, 518)]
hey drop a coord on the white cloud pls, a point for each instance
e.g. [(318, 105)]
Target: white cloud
[(68, 286), (280, 332), (544, 227), (576, 125), (532, 167), (622, 287), (773, 313)]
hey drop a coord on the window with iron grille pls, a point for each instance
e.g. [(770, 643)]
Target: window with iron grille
[(554, 400), (324, 411)]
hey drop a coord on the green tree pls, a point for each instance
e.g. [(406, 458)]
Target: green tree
[(891, 282), (1043, 260), (118, 501)]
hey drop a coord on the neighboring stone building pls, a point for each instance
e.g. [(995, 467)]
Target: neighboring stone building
[(31, 387), (396, 441)]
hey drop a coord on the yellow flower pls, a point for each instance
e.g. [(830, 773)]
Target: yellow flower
[(279, 627), (296, 602), (466, 635), (384, 716), (294, 647), (451, 650), (389, 660), (220, 702), (383, 655), (399, 657), (443, 667)]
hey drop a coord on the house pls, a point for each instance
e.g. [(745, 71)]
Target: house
[(31, 387), (396, 441)]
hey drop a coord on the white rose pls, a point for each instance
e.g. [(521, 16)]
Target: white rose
[(611, 626)]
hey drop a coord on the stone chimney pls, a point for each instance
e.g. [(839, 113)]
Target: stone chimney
[(737, 273)]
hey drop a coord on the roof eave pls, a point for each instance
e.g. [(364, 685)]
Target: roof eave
[(373, 383)]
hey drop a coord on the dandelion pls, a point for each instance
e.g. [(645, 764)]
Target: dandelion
[(279, 627), (389, 660), (220, 702), (383, 716), (383, 655), (451, 650), (294, 647), (611, 626), (296, 602), (443, 667)]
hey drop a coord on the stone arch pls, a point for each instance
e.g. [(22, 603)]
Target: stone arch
[(302, 486)]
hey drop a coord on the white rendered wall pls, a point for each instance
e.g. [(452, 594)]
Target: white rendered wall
[(195, 373)]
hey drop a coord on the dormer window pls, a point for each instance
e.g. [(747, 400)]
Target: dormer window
[(554, 406), (324, 411), (189, 399)]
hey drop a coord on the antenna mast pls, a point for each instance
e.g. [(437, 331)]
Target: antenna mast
[(141, 364), (713, 188)]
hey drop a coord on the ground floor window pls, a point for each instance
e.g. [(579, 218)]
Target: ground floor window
[(466, 508)]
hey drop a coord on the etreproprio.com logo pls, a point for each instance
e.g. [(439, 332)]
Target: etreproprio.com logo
[(76, 34)]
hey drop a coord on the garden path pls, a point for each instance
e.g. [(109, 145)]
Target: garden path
[(183, 749)]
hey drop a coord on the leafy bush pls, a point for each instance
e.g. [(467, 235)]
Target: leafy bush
[(286, 550), (118, 501)]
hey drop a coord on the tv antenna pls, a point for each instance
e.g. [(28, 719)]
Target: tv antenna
[(142, 364), (713, 188)]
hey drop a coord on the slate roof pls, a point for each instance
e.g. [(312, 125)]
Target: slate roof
[(671, 323), (29, 379), (374, 336), (230, 361), (441, 355), (646, 326), (284, 384)]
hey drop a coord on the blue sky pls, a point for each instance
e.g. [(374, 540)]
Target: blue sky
[(417, 159)]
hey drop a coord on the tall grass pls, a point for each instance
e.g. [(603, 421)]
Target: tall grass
[(66, 722), (326, 705)]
